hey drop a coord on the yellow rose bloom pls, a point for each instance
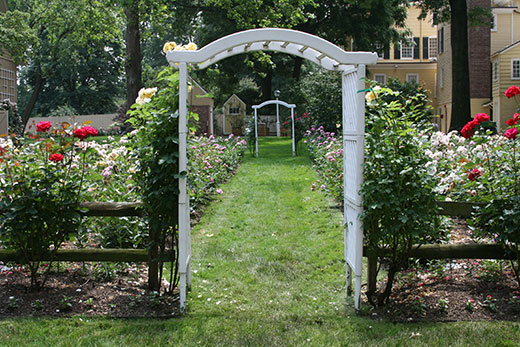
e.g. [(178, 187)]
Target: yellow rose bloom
[(371, 96), (169, 46), (191, 46)]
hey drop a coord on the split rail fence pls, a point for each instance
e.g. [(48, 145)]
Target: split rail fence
[(127, 209), (445, 251)]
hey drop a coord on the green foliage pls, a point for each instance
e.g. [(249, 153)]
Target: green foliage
[(156, 149), (322, 98), (16, 35), (395, 167)]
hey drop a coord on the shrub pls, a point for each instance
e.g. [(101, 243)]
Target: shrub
[(399, 199)]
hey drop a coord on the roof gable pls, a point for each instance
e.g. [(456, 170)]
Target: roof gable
[(507, 48)]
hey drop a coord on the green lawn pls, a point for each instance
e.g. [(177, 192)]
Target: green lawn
[(268, 271)]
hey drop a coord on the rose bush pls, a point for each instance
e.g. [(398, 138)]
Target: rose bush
[(41, 182)]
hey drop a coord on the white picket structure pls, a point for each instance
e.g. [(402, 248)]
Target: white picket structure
[(277, 102), (352, 65)]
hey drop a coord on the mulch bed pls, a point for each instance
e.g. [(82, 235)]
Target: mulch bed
[(450, 290), (87, 290), (453, 290)]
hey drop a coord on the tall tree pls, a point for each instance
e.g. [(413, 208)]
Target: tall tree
[(61, 27), (133, 65)]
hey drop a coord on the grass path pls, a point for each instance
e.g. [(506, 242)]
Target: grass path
[(268, 271)]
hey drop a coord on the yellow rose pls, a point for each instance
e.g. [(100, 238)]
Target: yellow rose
[(191, 47), (145, 95), (371, 96), (169, 46)]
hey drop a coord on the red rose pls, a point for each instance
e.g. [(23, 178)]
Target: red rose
[(84, 132), (468, 129), (473, 174), (90, 130), (511, 121), (43, 126), (511, 133), (512, 91), (80, 133), (286, 122), (56, 157), (482, 117)]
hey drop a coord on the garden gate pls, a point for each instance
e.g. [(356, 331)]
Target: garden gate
[(352, 66), (277, 102)]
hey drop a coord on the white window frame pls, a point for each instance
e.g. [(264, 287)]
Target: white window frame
[(416, 75), (404, 47), (433, 48), (495, 22), (380, 75), (513, 61), (496, 70), (7, 84)]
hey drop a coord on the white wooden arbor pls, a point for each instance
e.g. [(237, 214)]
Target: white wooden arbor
[(352, 66), (277, 102)]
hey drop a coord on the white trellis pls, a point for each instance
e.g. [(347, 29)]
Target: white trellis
[(352, 66), (277, 102)]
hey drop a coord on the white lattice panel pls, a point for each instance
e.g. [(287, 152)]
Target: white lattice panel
[(353, 172), (349, 94), (353, 239)]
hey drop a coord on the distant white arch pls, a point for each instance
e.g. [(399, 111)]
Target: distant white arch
[(352, 66), (277, 102)]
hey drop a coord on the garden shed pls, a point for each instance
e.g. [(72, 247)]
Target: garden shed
[(234, 111), (202, 104)]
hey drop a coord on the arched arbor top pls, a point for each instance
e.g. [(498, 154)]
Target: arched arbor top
[(272, 102), (293, 42)]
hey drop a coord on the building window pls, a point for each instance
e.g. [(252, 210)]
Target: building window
[(495, 71), (380, 78), (406, 50), (432, 47), (515, 69), (441, 78), (495, 22), (7, 84), (412, 78), (234, 110)]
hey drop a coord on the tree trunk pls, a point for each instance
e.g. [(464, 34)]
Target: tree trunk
[(461, 111), (267, 85), (133, 66), (38, 84), (297, 68)]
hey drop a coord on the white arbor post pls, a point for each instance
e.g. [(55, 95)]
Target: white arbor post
[(277, 119), (256, 132), (353, 99), (292, 133), (184, 208)]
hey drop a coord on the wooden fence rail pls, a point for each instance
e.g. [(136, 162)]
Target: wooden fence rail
[(445, 251), (122, 209)]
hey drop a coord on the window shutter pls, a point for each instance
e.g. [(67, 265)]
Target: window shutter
[(416, 48), (386, 53), (441, 40), (397, 51), (425, 47)]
